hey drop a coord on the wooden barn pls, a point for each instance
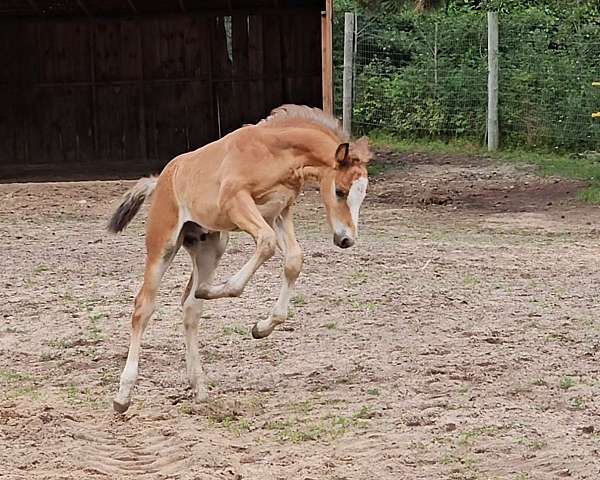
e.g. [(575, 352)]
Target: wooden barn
[(119, 87)]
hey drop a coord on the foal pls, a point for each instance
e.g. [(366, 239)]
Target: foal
[(248, 181)]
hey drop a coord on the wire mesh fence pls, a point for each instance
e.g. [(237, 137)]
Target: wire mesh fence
[(426, 77), (546, 96)]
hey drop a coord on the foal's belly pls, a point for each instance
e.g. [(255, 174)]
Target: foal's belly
[(272, 205)]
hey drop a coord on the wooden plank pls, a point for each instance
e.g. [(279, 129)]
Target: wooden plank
[(116, 50), (119, 126), (273, 86), (326, 57), (222, 66), (240, 68), (142, 97), (60, 119), (166, 120), (197, 58), (348, 70), (256, 89)]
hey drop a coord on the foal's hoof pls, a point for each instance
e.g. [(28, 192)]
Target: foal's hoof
[(120, 407), (256, 333)]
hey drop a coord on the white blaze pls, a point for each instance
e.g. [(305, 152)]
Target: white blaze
[(357, 194)]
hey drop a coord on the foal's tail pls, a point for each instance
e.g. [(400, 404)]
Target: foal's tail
[(131, 204)]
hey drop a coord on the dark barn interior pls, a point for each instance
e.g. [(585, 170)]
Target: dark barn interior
[(99, 88)]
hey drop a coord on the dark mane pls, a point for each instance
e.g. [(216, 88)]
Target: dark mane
[(285, 113)]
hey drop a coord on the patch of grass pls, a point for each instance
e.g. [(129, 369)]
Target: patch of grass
[(471, 281), (359, 277), (381, 139), (590, 194), (60, 343), (466, 439), (577, 403), (72, 392), (536, 444), (365, 413), (366, 306), (298, 431), (305, 406), (41, 268), (29, 391), (234, 423), (566, 382), (298, 300), (330, 326), (375, 169), (19, 385), (108, 378), (235, 330), (328, 428), (94, 330), (373, 391), (78, 396), (11, 376)]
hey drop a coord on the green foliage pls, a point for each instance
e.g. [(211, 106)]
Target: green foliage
[(425, 76)]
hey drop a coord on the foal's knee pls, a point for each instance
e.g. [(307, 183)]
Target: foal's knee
[(266, 245), (293, 264)]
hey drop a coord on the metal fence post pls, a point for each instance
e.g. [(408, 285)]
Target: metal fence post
[(493, 133), (348, 70)]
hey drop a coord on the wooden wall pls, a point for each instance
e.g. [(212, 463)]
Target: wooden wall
[(115, 95)]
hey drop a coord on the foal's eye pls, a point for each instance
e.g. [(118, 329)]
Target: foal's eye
[(340, 193)]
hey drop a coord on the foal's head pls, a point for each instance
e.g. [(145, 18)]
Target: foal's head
[(343, 190)]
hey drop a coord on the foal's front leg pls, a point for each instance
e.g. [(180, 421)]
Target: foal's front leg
[(286, 240), (245, 214)]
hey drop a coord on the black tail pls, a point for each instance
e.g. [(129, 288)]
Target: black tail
[(131, 204)]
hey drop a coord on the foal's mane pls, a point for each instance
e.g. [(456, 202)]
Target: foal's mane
[(286, 114)]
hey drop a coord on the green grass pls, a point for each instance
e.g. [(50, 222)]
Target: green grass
[(12, 376), (471, 281), (298, 300), (235, 330), (328, 428), (566, 383), (577, 167)]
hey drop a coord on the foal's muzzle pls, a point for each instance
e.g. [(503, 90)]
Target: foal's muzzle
[(342, 241)]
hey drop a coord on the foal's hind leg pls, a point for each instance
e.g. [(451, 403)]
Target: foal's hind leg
[(287, 243), (245, 214), (205, 258), (162, 243)]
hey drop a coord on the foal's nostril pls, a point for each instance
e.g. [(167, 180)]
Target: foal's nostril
[(346, 242)]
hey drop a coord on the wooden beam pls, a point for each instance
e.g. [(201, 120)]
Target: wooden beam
[(132, 6), (326, 58), (85, 9), (348, 69), (493, 133)]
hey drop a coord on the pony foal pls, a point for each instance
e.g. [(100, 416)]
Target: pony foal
[(246, 181)]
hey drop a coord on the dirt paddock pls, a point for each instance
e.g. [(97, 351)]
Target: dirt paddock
[(458, 340)]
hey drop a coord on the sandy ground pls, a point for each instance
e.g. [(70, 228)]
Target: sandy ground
[(458, 340)]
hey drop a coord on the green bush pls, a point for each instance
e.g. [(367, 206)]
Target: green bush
[(425, 76)]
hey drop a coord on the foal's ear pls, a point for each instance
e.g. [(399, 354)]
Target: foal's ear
[(341, 155), (360, 149)]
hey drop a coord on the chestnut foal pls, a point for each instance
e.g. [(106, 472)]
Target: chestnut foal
[(248, 181)]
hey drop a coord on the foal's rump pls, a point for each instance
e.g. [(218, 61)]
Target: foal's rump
[(131, 203)]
